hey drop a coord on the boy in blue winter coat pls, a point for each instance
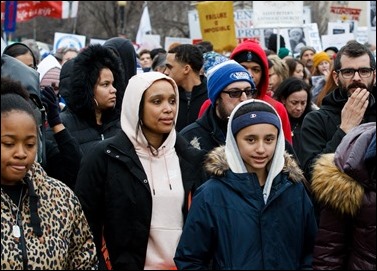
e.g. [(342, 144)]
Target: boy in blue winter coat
[(254, 212)]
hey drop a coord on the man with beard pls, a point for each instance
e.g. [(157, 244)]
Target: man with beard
[(349, 105), (228, 84)]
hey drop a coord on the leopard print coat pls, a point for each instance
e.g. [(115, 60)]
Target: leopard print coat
[(66, 242)]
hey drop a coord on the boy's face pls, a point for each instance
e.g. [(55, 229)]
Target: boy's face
[(256, 144)]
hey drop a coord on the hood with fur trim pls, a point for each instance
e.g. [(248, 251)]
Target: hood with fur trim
[(339, 179), (334, 188), (84, 75), (255, 48), (216, 164)]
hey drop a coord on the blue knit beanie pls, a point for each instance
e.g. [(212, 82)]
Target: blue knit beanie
[(222, 75), (211, 59)]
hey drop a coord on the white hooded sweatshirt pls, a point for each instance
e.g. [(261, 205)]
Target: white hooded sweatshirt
[(163, 172)]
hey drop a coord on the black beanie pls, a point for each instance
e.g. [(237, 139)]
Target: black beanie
[(272, 42), (247, 56)]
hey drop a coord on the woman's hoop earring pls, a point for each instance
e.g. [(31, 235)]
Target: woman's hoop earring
[(95, 101)]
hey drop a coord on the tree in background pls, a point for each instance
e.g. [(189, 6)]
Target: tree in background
[(101, 20)]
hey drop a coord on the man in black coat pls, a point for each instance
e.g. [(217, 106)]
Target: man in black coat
[(350, 104)]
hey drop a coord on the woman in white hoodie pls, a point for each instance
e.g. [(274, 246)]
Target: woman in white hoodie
[(135, 187)]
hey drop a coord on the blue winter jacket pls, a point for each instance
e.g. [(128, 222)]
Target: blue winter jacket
[(231, 228)]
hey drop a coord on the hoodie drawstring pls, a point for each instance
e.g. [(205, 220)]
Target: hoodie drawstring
[(166, 167), (150, 170), (150, 167)]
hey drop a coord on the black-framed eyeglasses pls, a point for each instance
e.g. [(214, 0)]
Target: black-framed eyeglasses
[(237, 93), (349, 73)]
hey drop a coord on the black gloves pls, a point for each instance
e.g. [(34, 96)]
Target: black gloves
[(51, 103)]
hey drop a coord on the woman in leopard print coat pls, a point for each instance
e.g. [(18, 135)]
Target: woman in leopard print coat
[(43, 226)]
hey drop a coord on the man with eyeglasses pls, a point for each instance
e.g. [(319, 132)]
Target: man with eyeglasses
[(347, 106), (228, 84)]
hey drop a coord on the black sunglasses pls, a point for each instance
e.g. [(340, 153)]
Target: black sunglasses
[(237, 93)]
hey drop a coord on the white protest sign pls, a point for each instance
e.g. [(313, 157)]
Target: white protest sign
[(278, 14), (338, 40), (312, 36), (97, 41), (171, 40), (335, 28), (68, 40)]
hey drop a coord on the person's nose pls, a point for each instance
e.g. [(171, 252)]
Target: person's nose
[(20, 151)]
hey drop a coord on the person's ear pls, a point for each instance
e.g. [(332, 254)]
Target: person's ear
[(335, 77)]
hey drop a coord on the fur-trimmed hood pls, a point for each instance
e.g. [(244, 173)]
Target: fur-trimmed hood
[(332, 187), (84, 75), (339, 179), (216, 164)]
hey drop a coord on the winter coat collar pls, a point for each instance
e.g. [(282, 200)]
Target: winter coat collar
[(334, 100), (216, 164)]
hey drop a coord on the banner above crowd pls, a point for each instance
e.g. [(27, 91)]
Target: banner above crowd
[(27, 10)]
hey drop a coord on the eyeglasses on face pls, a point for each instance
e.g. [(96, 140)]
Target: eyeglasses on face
[(237, 93), (350, 73)]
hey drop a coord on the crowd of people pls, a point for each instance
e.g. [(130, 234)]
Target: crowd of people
[(187, 158)]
